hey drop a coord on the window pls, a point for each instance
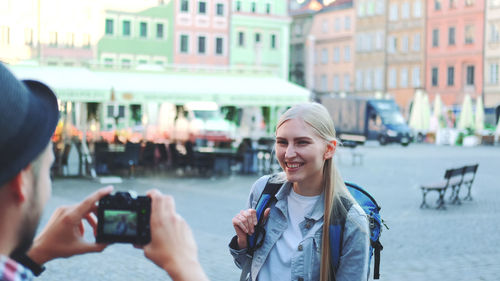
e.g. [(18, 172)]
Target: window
[(404, 44), (453, 4), (347, 82), (336, 83), (469, 3), (392, 44), (347, 53), (368, 79), (202, 7), (201, 45), (184, 6), (434, 78), (469, 34), (254, 7), (347, 23), (324, 83), (415, 77), (494, 73), (404, 78), (143, 61), (159, 30), (470, 75), (126, 28), (268, 8), (451, 76), (184, 48), (417, 9), (257, 37), (126, 63), (416, 42), (359, 80), (219, 46), (405, 10), (273, 41), (435, 37), (451, 36), (437, 5), (109, 27), (143, 29), (361, 10), (324, 26), (393, 12), (220, 9), (108, 62), (336, 54), (324, 56), (494, 34), (238, 6), (337, 24), (241, 39), (379, 40)]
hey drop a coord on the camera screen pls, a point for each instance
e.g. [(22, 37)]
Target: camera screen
[(120, 222)]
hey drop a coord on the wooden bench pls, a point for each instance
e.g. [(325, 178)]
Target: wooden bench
[(452, 179)]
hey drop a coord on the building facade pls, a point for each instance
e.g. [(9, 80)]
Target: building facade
[(333, 32), (405, 50), (371, 57), (301, 43), (260, 36), (492, 56), (201, 32), (455, 35), (132, 39)]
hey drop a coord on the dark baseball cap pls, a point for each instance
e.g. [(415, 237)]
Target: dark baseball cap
[(28, 117)]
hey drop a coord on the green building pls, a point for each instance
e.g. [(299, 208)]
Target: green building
[(260, 36), (134, 39)]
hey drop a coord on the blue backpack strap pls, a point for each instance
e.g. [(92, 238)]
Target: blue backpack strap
[(265, 200), (336, 235)]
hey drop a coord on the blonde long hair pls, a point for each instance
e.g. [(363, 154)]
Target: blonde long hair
[(317, 116)]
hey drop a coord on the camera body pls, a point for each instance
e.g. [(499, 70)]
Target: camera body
[(124, 217)]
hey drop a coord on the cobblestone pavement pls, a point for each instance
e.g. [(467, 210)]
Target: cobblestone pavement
[(454, 244)]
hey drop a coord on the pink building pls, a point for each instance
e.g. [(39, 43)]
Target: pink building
[(201, 32), (333, 31), (454, 64)]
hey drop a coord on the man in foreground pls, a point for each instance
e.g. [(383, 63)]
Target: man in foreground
[(28, 116)]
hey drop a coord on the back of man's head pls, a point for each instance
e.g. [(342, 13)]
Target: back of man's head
[(28, 117)]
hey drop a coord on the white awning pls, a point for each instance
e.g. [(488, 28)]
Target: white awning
[(86, 85), (224, 89), (69, 83)]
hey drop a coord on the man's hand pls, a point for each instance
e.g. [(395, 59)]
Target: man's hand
[(63, 235), (172, 245)]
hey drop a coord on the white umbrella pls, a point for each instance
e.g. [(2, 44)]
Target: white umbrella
[(466, 119), (497, 131), (479, 118), (426, 112), (416, 111), (438, 107)]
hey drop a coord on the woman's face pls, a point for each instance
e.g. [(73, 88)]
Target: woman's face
[(302, 153)]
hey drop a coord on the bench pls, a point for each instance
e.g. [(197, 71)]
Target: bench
[(454, 179)]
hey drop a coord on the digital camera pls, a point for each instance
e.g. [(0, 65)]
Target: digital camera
[(124, 217)]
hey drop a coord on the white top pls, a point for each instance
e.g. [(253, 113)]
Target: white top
[(278, 264)]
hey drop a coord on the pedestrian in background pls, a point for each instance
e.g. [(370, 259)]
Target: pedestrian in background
[(296, 243)]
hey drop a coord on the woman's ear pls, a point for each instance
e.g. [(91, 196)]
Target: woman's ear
[(330, 149)]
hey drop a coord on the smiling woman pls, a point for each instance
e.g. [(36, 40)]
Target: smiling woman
[(312, 192)]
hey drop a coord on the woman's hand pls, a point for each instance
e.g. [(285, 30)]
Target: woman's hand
[(244, 224)]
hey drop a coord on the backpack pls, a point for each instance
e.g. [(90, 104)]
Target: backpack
[(364, 199)]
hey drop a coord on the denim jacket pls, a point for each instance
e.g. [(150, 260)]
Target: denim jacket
[(353, 264)]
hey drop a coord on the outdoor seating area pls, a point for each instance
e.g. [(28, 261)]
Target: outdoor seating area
[(454, 179), (138, 158)]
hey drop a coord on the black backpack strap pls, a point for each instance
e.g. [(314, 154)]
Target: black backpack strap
[(377, 247), (267, 197), (255, 241)]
